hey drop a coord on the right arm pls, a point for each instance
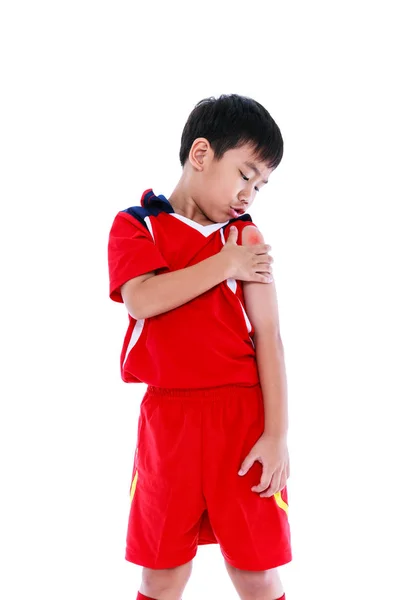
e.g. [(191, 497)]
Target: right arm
[(147, 296), (135, 263)]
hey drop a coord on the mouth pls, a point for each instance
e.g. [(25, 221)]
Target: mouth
[(236, 212)]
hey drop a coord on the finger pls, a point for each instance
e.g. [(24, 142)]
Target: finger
[(264, 482), (262, 486), (247, 464), (261, 277), (273, 488), (283, 480), (265, 267), (260, 248)]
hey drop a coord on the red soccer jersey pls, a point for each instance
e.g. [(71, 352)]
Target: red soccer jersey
[(204, 343)]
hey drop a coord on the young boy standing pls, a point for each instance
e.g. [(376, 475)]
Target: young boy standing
[(193, 271)]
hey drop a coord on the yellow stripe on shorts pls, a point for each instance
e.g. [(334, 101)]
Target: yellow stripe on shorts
[(281, 503), (133, 486)]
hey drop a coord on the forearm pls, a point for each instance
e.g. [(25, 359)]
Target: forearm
[(272, 373), (165, 292)]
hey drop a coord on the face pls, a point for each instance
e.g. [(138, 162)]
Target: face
[(231, 183)]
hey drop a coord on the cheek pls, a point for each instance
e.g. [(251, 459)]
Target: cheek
[(218, 186)]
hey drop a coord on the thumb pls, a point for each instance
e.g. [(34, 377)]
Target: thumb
[(247, 464), (233, 234)]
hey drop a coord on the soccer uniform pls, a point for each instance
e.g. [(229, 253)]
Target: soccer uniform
[(203, 409)]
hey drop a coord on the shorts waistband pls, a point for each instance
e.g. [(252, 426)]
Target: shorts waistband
[(213, 392)]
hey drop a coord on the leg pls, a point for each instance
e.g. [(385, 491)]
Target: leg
[(165, 584), (256, 585), (167, 502), (253, 533)]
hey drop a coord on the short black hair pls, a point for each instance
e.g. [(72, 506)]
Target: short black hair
[(232, 121)]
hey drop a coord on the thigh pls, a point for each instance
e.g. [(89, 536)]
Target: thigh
[(253, 532), (166, 497)]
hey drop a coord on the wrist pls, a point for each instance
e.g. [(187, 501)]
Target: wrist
[(224, 266)]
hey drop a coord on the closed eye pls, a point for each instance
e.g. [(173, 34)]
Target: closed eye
[(247, 179)]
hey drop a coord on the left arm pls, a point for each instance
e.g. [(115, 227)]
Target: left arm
[(271, 369), (271, 449)]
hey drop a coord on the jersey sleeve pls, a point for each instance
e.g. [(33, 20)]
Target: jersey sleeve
[(240, 224), (131, 252)]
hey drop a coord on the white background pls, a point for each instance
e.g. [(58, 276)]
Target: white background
[(94, 99)]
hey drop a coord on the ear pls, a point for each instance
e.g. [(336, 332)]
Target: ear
[(200, 154)]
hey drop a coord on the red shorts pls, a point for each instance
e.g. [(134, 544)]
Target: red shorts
[(185, 488)]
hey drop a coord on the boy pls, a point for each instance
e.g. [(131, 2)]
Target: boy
[(211, 461)]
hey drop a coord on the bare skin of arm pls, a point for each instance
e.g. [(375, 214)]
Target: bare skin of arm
[(150, 294), (271, 449)]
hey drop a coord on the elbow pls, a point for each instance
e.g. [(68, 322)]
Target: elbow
[(135, 315), (134, 307), (139, 310), (269, 335), (134, 312)]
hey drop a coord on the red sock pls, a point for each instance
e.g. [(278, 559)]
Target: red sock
[(143, 597)]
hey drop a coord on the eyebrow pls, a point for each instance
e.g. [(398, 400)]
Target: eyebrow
[(253, 166)]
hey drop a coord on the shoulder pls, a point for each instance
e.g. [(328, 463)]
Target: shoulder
[(242, 224), (129, 219), (252, 236)]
